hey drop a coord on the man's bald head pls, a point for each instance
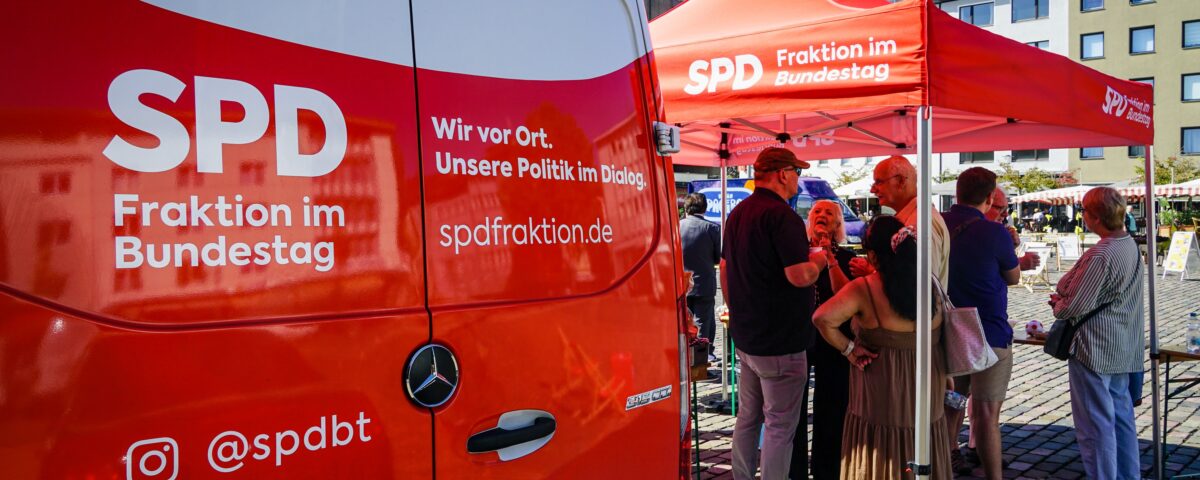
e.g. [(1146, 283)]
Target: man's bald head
[(999, 205), (895, 182), (898, 165)]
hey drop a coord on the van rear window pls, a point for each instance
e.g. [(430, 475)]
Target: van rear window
[(818, 189)]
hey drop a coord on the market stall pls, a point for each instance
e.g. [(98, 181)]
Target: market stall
[(858, 78)]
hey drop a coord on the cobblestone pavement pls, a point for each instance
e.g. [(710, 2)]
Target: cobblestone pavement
[(1038, 433)]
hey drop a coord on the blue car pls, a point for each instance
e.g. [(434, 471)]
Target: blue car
[(811, 190)]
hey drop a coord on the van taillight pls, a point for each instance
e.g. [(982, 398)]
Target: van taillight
[(685, 397)]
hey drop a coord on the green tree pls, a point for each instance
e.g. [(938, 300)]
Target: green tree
[(1171, 170), (946, 176), (1032, 180), (846, 177)]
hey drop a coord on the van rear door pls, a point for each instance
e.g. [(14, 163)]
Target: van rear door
[(210, 241), (551, 271)]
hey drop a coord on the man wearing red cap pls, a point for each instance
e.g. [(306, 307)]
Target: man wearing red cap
[(766, 277)]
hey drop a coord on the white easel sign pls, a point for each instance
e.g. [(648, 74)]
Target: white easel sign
[(1068, 247), (1182, 255)]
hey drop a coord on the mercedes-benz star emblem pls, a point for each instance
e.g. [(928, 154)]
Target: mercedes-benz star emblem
[(432, 376)]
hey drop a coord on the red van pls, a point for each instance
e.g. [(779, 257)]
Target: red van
[(311, 239)]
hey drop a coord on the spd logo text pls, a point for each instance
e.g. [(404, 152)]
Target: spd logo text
[(740, 72)]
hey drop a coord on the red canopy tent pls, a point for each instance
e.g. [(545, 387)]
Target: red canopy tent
[(848, 78)]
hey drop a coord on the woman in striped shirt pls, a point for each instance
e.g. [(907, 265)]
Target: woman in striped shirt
[(1105, 288)]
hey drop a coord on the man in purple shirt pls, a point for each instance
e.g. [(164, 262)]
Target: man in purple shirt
[(982, 266)]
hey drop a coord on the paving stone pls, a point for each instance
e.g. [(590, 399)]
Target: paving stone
[(1020, 466)]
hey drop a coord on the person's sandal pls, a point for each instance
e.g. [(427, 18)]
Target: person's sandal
[(959, 464), (972, 457)]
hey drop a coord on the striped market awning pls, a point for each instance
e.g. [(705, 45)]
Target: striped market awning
[(1185, 189), (1057, 196)]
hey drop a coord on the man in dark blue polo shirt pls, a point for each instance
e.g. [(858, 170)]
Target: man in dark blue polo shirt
[(982, 266), (767, 273)]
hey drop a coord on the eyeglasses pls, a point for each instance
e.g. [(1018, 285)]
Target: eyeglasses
[(786, 169), (882, 181)]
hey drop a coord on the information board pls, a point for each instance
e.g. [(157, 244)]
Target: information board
[(1068, 247), (1182, 256)]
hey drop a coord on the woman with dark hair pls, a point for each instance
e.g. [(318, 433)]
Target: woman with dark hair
[(878, 429)]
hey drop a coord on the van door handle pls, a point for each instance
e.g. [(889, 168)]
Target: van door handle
[(500, 438)]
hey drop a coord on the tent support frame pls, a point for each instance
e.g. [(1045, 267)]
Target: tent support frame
[(1151, 253), (921, 428), (723, 155)]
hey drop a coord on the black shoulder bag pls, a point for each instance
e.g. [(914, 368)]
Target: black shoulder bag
[(1062, 333)]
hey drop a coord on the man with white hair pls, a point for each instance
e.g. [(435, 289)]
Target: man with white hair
[(896, 187)]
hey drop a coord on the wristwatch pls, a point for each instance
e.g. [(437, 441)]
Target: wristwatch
[(849, 348)]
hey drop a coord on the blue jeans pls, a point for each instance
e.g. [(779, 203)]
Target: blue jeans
[(703, 309), (1103, 414), (1135, 384)]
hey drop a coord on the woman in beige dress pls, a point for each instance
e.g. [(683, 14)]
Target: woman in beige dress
[(878, 438)]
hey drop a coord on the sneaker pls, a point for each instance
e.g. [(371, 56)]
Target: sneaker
[(958, 464)]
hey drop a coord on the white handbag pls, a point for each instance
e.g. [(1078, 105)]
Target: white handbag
[(963, 341)]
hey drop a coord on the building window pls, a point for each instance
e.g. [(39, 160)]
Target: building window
[(1139, 2), (1030, 155), (1042, 44), (976, 157), (1030, 9), (1191, 34), (1091, 152), (56, 183), (1191, 141), (1141, 40), (252, 173), (1146, 80), (1191, 87), (1089, 5), (1137, 151), (978, 14), (54, 233), (1091, 45)]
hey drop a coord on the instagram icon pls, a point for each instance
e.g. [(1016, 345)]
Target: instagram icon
[(154, 458)]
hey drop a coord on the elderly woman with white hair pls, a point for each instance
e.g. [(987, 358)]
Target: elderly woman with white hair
[(1102, 297), (826, 229)]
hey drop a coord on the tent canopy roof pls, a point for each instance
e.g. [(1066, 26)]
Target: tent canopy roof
[(843, 78)]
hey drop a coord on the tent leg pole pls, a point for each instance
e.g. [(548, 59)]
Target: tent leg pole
[(922, 434), (1151, 253), (725, 352)]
